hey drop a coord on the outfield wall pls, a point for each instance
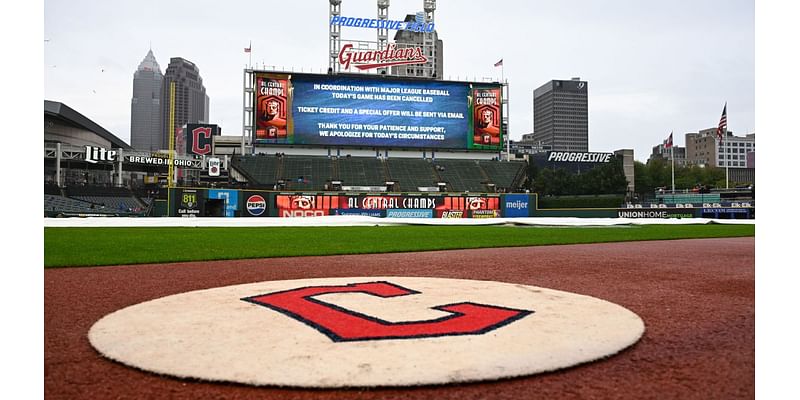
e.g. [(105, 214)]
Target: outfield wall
[(204, 202)]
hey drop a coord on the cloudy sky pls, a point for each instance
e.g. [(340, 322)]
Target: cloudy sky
[(652, 67)]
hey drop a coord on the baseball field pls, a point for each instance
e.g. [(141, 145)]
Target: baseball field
[(66, 247), (693, 286)]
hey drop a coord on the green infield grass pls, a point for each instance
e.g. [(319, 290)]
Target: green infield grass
[(73, 247)]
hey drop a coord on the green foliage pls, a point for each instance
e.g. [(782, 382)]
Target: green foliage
[(658, 173), (114, 246), (596, 201), (604, 179)]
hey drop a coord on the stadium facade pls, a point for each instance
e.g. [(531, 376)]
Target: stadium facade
[(356, 141)]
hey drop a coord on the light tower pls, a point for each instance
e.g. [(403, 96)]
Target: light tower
[(335, 38), (383, 33), (429, 42)]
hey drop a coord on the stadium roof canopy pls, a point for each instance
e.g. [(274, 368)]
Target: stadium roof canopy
[(69, 116)]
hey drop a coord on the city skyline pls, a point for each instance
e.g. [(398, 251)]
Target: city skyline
[(653, 68)]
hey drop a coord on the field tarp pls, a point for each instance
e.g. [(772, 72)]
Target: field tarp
[(356, 220)]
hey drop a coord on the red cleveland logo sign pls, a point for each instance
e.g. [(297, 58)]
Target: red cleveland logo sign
[(342, 325)]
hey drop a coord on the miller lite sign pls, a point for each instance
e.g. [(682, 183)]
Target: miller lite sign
[(213, 166), (95, 154)]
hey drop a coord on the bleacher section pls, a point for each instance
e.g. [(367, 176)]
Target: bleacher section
[(361, 171), (462, 175), (689, 198), (312, 173), (122, 204), (52, 188), (261, 170), (503, 174), (306, 173), (110, 198), (60, 204), (409, 174)]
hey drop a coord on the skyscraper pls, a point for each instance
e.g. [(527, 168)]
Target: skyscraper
[(146, 105), (431, 45), (561, 115), (191, 101)]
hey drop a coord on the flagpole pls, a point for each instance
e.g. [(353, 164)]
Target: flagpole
[(672, 155), (250, 54), (724, 135), (508, 137)]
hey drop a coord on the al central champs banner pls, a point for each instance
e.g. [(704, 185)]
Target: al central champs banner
[(436, 206), (326, 110)]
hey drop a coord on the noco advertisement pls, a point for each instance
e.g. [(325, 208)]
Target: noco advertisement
[(325, 110)]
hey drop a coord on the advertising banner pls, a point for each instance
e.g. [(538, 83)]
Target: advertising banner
[(356, 211), (305, 205), (329, 110), (517, 205), (188, 202), (655, 213), (231, 198), (255, 204), (409, 213), (451, 214), (485, 214)]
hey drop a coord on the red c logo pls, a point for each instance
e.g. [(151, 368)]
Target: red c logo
[(196, 135), (343, 325)]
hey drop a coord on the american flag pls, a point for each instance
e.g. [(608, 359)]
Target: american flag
[(249, 46), (499, 63), (723, 123), (668, 142)]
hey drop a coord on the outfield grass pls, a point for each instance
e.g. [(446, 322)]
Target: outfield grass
[(66, 247)]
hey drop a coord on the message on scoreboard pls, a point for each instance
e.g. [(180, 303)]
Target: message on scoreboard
[(322, 110)]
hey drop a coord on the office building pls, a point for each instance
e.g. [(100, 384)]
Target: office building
[(561, 115), (191, 101), (432, 47), (663, 153), (146, 105), (702, 148)]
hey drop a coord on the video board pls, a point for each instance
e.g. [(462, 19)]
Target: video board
[(369, 111)]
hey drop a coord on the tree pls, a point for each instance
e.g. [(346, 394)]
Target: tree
[(608, 178)]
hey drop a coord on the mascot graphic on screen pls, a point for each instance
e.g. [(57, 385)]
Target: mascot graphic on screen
[(486, 117), (271, 112), (487, 128)]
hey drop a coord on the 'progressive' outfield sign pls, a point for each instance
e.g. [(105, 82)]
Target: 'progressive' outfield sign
[(569, 156)]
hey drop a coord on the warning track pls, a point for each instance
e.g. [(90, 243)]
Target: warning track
[(697, 298)]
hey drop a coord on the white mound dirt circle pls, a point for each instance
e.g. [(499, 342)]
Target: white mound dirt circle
[(365, 331)]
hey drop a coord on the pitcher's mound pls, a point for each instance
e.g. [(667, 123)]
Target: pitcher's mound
[(358, 332)]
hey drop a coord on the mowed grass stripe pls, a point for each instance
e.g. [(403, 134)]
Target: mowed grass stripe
[(67, 247)]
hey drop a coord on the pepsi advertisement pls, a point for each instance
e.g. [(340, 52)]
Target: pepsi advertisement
[(255, 204), (325, 110)]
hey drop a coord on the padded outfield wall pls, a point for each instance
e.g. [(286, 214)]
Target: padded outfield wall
[(204, 202)]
